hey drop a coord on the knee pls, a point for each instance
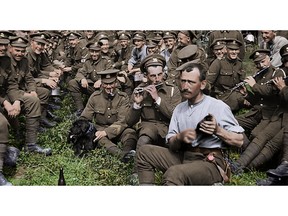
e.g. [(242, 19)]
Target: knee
[(72, 85), (173, 176)]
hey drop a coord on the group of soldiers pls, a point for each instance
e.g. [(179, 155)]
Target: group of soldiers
[(128, 84)]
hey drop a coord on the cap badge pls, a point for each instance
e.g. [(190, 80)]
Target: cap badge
[(108, 76), (20, 40), (155, 60), (2, 35)]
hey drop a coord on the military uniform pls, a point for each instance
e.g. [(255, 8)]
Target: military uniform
[(226, 34), (89, 72), (266, 111), (76, 56), (6, 82), (122, 55), (108, 111), (223, 75), (172, 64)]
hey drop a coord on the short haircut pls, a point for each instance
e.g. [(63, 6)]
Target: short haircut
[(191, 67)]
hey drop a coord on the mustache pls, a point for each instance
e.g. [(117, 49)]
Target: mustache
[(185, 90)]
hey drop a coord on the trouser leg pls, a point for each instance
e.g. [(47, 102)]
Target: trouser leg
[(270, 149), (151, 157)]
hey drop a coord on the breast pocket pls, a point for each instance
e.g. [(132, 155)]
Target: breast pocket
[(226, 77), (113, 116), (100, 117)]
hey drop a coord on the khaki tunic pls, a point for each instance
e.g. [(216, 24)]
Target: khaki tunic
[(90, 69), (152, 115), (108, 114), (26, 81), (223, 75), (264, 99), (76, 57), (226, 34)]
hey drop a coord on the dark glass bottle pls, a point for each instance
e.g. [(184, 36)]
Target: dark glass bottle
[(61, 180)]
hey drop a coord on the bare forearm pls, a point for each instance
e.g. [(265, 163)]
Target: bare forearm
[(231, 138)]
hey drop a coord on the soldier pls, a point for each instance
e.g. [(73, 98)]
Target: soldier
[(273, 43), (169, 38), (281, 171), (5, 80), (184, 38), (153, 104), (42, 71), (103, 42), (89, 36), (264, 119), (15, 102), (194, 156), (123, 54), (223, 34), (225, 73), (152, 47), (87, 80), (219, 49), (139, 52), (108, 108), (76, 56)]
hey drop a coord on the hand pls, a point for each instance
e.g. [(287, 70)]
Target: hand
[(84, 83), (279, 82), (138, 97), (243, 90), (250, 80), (67, 69), (151, 89), (97, 84), (99, 135), (16, 108), (187, 136), (51, 83), (9, 108), (209, 127)]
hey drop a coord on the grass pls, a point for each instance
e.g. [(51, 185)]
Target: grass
[(98, 168)]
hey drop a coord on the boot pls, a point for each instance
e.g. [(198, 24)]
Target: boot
[(271, 181), (33, 147), (3, 180), (78, 101), (280, 171), (53, 107), (52, 116), (11, 156), (46, 123)]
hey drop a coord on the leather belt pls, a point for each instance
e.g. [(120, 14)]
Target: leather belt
[(205, 151)]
